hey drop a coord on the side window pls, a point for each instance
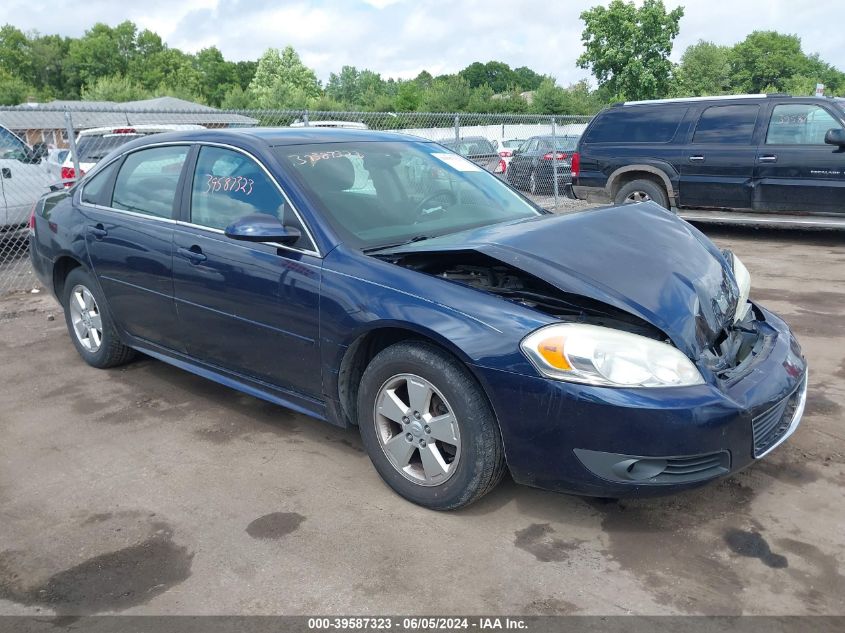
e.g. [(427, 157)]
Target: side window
[(147, 180), (228, 185), (729, 124), (94, 189), (11, 146), (637, 124), (799, 124)]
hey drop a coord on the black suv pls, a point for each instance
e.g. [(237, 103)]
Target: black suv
[(761, 153)]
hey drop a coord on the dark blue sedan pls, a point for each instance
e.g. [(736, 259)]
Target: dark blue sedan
[(380, 281)]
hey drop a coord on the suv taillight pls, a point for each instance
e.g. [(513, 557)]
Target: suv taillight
[(575, 165), (32, 218)]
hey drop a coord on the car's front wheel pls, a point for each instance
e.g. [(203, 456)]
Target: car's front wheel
[(428, 427), (89, 323)]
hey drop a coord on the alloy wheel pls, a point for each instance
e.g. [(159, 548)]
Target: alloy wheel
[(417, 429), (85, 318), (637, 196)]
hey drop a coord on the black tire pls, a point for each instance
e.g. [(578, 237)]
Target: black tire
[(481, 462), (533, 185), (647, 189), (110, 352)]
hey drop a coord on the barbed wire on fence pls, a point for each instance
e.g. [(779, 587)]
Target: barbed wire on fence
[(43, 145)]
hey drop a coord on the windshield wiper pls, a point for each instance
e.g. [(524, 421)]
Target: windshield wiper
[(416, 238)]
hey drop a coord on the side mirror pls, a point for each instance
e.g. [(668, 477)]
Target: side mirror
[(835, 136), (262, 227)]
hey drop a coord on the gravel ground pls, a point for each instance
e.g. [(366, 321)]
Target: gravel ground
[(146, 490)]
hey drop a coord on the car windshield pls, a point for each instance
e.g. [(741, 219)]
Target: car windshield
[(93, 148), (513, 144), (377, 194)]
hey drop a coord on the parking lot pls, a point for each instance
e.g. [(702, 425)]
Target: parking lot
[(148, 490)]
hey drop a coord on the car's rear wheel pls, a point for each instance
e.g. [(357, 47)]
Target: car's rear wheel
[(533, 183), (89, 323), (428, 427), (642, 191)]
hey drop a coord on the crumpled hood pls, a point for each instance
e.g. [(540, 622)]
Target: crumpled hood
[(638, 258)]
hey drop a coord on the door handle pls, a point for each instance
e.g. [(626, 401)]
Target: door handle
[(99, 232), (193, 254), (697, 157), (768, 158)]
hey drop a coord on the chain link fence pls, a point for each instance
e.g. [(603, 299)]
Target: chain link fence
[(43, 147)]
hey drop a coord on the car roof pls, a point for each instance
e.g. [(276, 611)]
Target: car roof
[(719, 98), (146, 127), (278, 136)]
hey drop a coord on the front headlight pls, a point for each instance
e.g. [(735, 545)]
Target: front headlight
[(595, 355), (743, 280)]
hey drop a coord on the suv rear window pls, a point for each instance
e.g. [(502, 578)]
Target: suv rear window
[(637, 124), (731, 124)]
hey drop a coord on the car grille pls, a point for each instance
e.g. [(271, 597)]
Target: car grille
[(773, 425)]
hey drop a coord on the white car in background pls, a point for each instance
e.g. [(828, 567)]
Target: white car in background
[(95, 143), (507, 147)]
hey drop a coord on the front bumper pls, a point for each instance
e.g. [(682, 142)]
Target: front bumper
[(637, 442)]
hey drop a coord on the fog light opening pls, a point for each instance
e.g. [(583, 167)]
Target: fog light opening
[(639, 469)]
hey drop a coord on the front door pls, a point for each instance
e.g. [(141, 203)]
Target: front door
[(796, 171), (250, 308), (129, 220), (717, 167)]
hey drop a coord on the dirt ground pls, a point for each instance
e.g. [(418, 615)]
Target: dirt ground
[(146, 490)]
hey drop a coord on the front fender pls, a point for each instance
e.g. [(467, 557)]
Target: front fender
[(361, 294)]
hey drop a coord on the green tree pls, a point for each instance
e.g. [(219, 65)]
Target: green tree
[(705, 69), (216, 75), (497, 75), (16, 54), (766, 59), (627, 48), (115, 88), (527, 79), (102, 52), (549, 98), (236, 98), (282, 80), (13, 90), (244, 72), (408, 97), (447, 94)]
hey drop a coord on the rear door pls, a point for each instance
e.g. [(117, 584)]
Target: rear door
[(129, 235), (796, 170), (717, 166)]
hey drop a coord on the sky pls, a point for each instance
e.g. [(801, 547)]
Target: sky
[(399, 38)]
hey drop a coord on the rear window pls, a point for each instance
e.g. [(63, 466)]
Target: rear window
[(637, 124), (93, 148), (728, 124)]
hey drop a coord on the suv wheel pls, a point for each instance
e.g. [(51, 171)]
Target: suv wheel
[(642, 191), (428, 427), (89, 323)]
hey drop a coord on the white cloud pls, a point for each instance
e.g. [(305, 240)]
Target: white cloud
[(398, 38)]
